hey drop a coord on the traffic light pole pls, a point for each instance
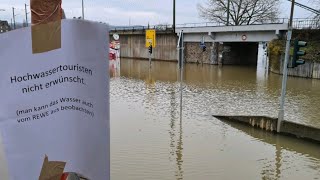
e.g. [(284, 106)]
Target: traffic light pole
[(285, 71), (150, 53), (150, 60), (180, 49)]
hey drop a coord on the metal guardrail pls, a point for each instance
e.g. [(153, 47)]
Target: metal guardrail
[(306, 24), (134, 28), (217, 24), (298, 23)]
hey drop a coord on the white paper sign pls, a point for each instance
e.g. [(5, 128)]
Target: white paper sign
[(56, 103)]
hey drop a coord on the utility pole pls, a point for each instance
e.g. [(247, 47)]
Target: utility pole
[(25, 9), (14, 20), (82, 10), (285, 71), (228, 12), (174, 16)]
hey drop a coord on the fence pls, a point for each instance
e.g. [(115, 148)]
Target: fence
[(306, 24), (134, 28)]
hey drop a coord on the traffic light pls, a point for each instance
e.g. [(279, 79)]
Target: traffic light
[(297, 53), (150, 49), (204, 48)]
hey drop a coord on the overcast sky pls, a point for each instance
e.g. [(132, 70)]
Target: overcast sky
[(136, 12)]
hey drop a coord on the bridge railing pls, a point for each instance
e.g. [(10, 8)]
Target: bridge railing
[(298, 23), (216, 24), (202, 24), (135, 28)]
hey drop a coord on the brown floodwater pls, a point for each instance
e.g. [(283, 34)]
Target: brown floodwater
[(150, 141)]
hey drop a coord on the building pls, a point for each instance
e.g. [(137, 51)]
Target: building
[(4, 26)]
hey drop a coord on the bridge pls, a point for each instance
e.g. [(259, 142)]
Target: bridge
[(229, 44), (225, 44), (243, 33)]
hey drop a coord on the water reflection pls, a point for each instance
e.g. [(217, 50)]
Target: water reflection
[(280, 144), (150, 142), (179, 153), (114, 68), (176, 136), (172, 125), (254, 90)]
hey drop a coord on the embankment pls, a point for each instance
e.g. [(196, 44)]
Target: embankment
[(311, 69)]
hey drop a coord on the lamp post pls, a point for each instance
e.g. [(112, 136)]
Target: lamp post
[(228, 12), (25, 9), (174, 16), (82, 10), (14, 19)]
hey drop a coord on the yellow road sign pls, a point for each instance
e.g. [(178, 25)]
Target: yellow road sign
[(151, 38)]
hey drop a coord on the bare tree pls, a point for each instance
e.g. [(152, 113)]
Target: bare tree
[(240, 11), (317, 5)]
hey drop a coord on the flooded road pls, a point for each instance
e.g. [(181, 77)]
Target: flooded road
[(150, 141)]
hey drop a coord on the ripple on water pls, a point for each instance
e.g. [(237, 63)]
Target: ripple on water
[(150, 142)]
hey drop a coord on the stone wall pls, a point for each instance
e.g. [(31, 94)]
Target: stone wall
[(222, 53), (195, 54), (133, 46)]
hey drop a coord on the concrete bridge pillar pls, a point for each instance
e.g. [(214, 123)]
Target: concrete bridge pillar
[(220, 53), (214, 53)]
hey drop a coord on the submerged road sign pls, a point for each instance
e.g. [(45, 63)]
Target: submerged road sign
[(151, 38)]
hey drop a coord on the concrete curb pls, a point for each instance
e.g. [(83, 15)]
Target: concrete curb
[(270, 124)]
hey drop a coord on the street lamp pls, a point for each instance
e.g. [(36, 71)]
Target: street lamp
[(14, 18), (25, 9), (82, 10), (228, 12), (174, 17)]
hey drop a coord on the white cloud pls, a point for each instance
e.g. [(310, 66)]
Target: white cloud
[(137, 11)]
